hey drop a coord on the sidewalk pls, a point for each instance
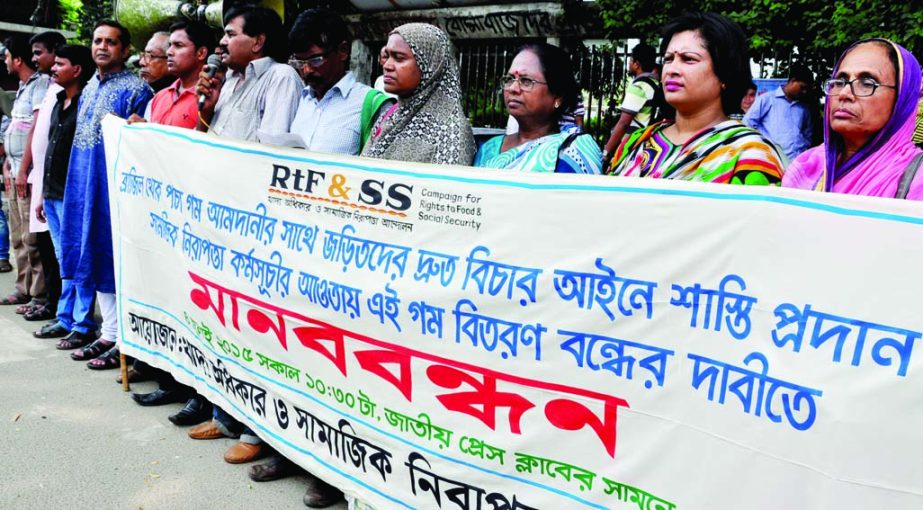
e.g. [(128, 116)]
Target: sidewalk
[(72, 439)]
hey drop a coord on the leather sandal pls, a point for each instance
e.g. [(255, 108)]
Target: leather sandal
[(29, 307), (74, 340), (42, 313), (107, 361), (92, 351)]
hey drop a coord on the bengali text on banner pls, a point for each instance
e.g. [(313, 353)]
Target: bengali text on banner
[(447, 337)]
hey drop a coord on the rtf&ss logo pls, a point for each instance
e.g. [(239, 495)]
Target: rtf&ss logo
[(371, 192)]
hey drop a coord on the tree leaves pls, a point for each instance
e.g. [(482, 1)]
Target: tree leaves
[(818, 29)]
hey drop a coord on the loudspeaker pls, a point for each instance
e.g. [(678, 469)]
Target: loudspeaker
[(144, 17)]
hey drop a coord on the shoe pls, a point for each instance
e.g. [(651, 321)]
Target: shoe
[(241, 453), (321, 494), (136, 376), (196, 411), (206, 430), (275, 468), (74, 340), (160, 397), (42, 313), (5, 266), (51, 330)]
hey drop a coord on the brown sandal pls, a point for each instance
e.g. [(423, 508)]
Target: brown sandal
[(92, 351), (74, 340), (28, 308), (109, 360)]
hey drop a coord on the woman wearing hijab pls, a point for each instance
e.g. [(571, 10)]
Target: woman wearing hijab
[(869, 121), (538, 91), (427, 124), (706, 71)]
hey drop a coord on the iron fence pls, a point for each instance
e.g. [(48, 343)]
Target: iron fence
[(602, 76), (600, 72)]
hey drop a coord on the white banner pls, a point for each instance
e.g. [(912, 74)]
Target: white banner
[(444, 337)]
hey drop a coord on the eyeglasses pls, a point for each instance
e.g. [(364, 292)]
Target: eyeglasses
[(146, 55), (315, 61), (525, 84), (861, 87)]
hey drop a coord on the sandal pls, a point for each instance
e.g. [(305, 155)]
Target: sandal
[(109, 360), (14, 299), (93, 350), (74, 340), (29, 307), (42, 313)]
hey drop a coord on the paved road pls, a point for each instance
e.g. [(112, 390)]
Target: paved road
[(70, 438)]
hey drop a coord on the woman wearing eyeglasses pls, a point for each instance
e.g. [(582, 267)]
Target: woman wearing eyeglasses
[(706, 72), (538, 90), (870, 116)]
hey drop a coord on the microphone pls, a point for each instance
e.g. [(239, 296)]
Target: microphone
[(211, 68)]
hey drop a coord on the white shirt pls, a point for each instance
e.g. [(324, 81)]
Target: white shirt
[(266, 100), (332, 123)]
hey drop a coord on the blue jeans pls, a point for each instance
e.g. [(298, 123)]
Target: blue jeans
[(75, 308), (4, 235)]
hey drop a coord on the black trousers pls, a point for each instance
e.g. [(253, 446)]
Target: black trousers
[(51, 268)]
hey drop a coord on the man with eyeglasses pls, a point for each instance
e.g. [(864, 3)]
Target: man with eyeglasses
[(336, 112), (335, 115), (154, 62), (260, 94), (782, 115)]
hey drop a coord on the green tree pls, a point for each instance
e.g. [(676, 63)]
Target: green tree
[(88, 14), (818, 29), (69, 12)]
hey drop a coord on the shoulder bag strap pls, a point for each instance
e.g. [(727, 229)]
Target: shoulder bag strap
[(564, 145), (907, 177)]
